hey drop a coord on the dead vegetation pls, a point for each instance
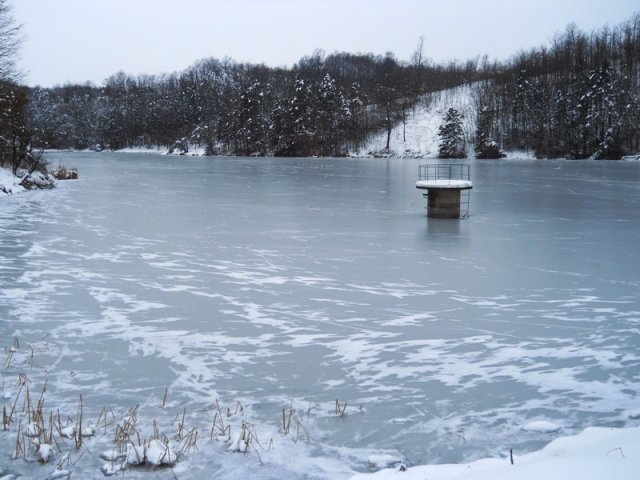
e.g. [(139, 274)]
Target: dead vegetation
[(55, 437), (61, 172)]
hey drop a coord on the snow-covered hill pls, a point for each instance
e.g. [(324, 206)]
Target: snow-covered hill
[(419, 137)]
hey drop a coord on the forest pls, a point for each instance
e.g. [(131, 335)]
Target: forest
[(577, 97), (324, 105)]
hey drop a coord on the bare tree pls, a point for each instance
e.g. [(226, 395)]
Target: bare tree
[(418, 65), (15, 133), (10, 40)]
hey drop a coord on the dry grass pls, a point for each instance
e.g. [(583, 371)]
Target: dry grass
[(341, 410), (25, 413)]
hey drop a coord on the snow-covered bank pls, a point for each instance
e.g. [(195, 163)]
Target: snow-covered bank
[(594, 454), (193, 151), (157, 149), (9, 183)]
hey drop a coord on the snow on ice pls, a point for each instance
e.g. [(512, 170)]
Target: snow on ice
[(541, 426)]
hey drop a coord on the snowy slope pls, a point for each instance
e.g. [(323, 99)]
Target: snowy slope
[(419, 138), (594, 454)]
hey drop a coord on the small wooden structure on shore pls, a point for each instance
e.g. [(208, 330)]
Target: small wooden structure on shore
[(448, 189)]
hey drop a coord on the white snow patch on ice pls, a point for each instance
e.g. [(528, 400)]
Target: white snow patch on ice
[(383, 460), (541, 426), (157, 453), (45, 452)]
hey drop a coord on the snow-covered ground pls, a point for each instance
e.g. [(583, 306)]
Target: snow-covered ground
[(418, 138), (194, 151), (594, 454), (9, 183), (157, 149)]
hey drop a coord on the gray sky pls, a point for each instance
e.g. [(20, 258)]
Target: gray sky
[(88, 40)]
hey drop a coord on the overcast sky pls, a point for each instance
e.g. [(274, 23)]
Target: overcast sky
[(88, 40)]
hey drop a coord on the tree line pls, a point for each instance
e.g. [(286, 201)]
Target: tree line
[(324, 105), (578, 97), (16, 135)]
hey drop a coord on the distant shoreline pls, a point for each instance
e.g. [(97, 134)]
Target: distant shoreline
[(510, 155)]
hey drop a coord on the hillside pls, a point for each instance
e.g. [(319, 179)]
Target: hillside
[(418, 135)]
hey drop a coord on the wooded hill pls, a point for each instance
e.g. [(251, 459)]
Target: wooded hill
[(324, 105), (578, 97)]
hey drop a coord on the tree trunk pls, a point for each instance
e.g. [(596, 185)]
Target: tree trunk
[(388, 127), (404, 122)]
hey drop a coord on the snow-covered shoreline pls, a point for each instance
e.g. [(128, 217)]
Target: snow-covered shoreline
[(597, 453), (10, 183), (156, 150)]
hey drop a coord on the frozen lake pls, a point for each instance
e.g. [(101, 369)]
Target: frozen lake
[(278, 282)]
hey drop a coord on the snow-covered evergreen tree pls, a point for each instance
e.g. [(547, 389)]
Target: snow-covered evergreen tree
[(293, 122), (451, 135), (254, 119), (331, 112)]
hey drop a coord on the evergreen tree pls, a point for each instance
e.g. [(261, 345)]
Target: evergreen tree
[(356, 117), (294, 122), (451, 136), (485, 145), (331, 112), (254, 121)]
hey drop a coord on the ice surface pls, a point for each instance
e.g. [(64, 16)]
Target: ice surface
[(306, 285)]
